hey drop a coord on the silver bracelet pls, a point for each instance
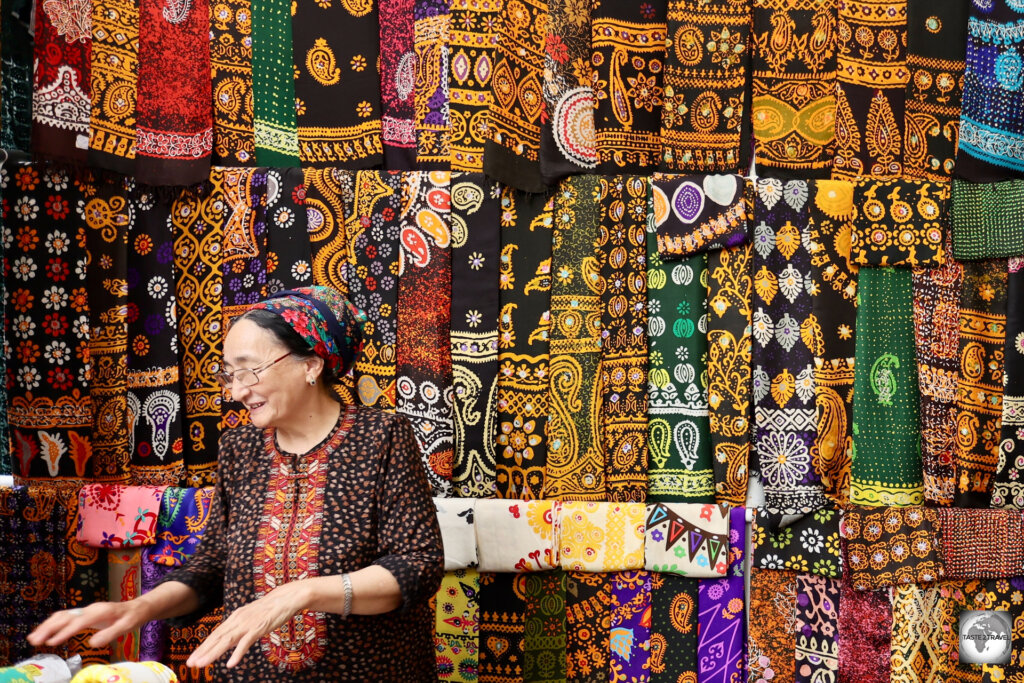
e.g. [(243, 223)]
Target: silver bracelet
[(347, 609)]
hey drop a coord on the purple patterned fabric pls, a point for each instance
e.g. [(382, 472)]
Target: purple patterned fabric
[(721, 644), (152, 635), (630, 639)]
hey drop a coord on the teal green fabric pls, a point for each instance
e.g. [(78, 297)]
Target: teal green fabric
[(273, 85)]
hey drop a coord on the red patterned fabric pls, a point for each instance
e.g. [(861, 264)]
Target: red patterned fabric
[(60, 94), (397, 78), (865, 625), (982, 544), (175, 111)]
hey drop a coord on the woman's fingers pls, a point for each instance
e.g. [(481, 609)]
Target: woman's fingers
[(103, 636), (216, 644), (66, 623), (244, 643)]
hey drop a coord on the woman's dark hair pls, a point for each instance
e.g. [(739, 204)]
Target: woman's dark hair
[(289, 338)]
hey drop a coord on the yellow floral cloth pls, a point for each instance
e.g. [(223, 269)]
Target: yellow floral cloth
[(515, 535), (126, 672), (601, 537)]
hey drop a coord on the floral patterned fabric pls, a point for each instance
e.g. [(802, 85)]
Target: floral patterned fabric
[(817, 628), (516, 535), (181, 524), (114, 516), (600, 537), (128, 672), (695, 214), (397, 83), (457, 626), (892, 546), (1008, 488), (432, 122), (473, 41), (809, 544), (587, 603), (688, 539), (721, 604), (544, 628), (899, 223)]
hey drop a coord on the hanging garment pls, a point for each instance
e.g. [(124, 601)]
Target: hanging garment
[(689, 539), (987, 219), (1008, 489), (721, 646), (674, 628), (630, 637), (502, 617), (115, 516), (458, 532), (473, 40), (793, 67), (899, 223), (234, 136), (587, 606), (771, 642), (433, 134), (886, 467), (16, 55), (817, 628), (600, 537), (516, 535), (474, 333), (892, 546), (808, 544), (457, 626), (695, 214), (1002, 596), (981, 544), (575, 467), (113, 76), (703, 115), (544, 628), (397, 83), (6, 462), (273, 93)]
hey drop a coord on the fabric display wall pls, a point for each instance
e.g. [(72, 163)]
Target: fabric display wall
[(621, 261)]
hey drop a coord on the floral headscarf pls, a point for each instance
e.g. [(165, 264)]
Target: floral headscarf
[(325, 319)]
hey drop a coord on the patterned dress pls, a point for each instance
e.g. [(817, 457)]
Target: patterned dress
[(358, 498)]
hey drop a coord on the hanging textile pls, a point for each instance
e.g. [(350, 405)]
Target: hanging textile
[(457, 626), (47, 324), (704, 105), (431, 84), (865, 627), (628, 56), (808, 544), (335, 52), (288, 250), (980, 381), (575, 467), (373, 285), (872, 80), (899, 223), (1004, 596), (156, 437), (83, 579), (544, 627), (621, 252), (987, 219), (423, 364), (729, 370), (114, 516), (473, 41), (16, 75), (32, 530), (174, 118), (817, 628), (513, 127), (916, 632), (516, 535), (567, 144), (234, 141), (108, 212), (61, 96), (936, 47), (723, 631), (587, 606), (600, 537), (955, 596), (502, 612), (936, 334), (397, 83), (455, 516), (688, 539), (197, 224), (793, 66), (1008, 489), (679, 438), (273, 93), (6, 463), (674, 628), (771, 641), (181, 524), (630, 637), (991, 142), (113, 76), (124, 584), (892, 546), (785, 424), (981, 543), (834, 310), (523, 349), (695, 214), (474, 333), (886, 467)]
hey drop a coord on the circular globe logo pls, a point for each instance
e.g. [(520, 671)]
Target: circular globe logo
[(985, 637)]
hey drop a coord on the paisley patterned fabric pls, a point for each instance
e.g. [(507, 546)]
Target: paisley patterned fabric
[(523, 348), (457, 626), (621, 251), (502, 617), (899, 223), (431, 88), (516, 536), (688, 539), (793, 68), (892, 546), (587, 607), (834, 312), (981, 543), (474, 332), (234, 137), (807, 544), (721, 603), (630, 635), (180, 525), (979, 395), (627, 55), (600, 537), (771, 641), (817, 628), (1008, 488), (785, 424), (703, 111), (674, 628), (696, 214), (544, 632), (987, 219), (886, 467), (397, 83), (473, 42), (575, 467), (274, 113), (115, 516), (113, 75)]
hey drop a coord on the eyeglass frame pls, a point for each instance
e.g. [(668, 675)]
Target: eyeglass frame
[(227, 379)]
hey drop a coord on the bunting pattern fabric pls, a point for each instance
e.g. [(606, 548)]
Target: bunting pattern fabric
[(474, 333), (113, 76), (588, 599), (1008, 489), (630, 636), (899, 223), (457, 626), (721, 602), (687, 539), (274, 117), (674, 627), (234, 141), (430, 43), (473, 40), (544, 627), (397, 83)]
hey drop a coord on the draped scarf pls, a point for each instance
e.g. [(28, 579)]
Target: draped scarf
[(61, 98), (630, 636), (705, 77), (628, 54), (771, 641), (474, 332), (473, 40), (575, 467), (980, 382), (274, 116), (621, 251), (512, 150), (544, 639), (674, 627), (587, 606), (886, 466), (817, 628), (397, 83), (721, 655), (174, 131), (785, 424), (16, 53), (502, 625), (793, 69), (834, 310), (988, 219), (1008, 489), (432, 123), (113, 76), (457, 626), (234, 138)]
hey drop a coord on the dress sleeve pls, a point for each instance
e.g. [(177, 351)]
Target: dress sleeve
[(409, 538), (203, 572)]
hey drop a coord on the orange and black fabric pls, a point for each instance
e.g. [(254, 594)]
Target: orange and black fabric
[(899, 222)]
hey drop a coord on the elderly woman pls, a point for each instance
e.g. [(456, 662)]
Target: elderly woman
[(322, 542)]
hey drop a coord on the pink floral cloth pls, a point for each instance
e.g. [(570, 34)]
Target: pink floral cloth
[(114, 516)]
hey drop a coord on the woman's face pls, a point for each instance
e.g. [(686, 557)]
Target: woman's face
[(279, 396)]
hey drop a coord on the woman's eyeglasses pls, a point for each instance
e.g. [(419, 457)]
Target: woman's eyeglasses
[(247, 377)]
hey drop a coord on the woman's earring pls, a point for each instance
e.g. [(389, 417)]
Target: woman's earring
[(312, 381)]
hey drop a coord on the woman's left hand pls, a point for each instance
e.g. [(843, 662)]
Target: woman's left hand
[(249, 623)]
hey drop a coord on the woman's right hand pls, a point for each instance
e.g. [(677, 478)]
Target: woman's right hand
[(110, 618)]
